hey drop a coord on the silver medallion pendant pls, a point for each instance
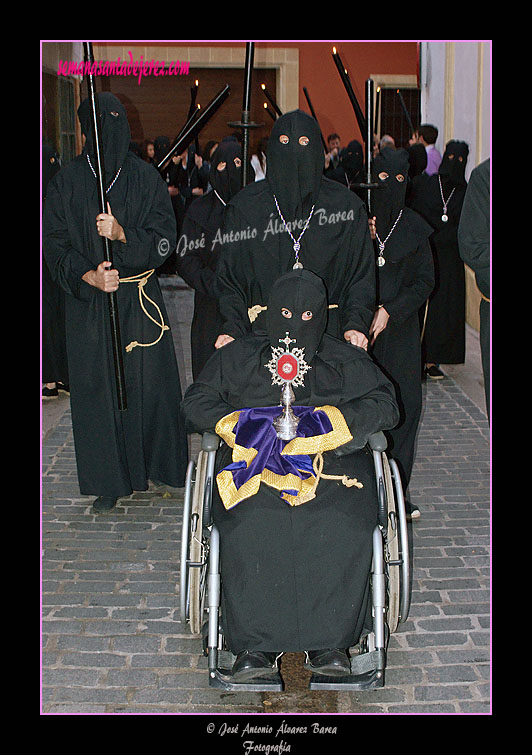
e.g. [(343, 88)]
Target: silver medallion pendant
[(444, 218), (381, 261), (297, 266)]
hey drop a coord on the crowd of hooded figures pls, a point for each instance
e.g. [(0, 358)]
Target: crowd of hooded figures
[(345, 283)]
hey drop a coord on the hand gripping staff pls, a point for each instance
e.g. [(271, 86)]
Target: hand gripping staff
[(99, 169)]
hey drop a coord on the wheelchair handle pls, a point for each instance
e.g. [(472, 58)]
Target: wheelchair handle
[(210, 442), (377, 441)]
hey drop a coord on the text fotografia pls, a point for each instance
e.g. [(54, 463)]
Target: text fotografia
[(129, 67), (284, 729)]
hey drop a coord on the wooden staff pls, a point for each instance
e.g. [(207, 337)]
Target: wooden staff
[(350, 93), (99, 169), (377, 105), (189, 133), (307, 96), (271, 100), (368, 139), (270, 112), (187, 125), (192, 109), (245, 123), (407, 114)]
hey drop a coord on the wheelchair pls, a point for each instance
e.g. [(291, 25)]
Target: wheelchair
[(200, 581)]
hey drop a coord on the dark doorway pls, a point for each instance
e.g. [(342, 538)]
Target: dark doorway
[(393, 118), (159, 105)]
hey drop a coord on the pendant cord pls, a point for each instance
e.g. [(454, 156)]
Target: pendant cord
[(382, 244), (445, 203), (297, 245), (95, 176), (219, 197)]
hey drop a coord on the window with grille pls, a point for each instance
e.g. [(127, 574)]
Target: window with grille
[(67, 120), (392, 118)]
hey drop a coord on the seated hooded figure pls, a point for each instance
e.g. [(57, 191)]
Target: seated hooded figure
[(295, 516)]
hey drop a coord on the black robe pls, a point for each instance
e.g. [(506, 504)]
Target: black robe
[(117, 452), (198, 249), (197, 254), (297, 577), (444, 341), (336, 244), (404, 284), (54, 355), (474, 242)]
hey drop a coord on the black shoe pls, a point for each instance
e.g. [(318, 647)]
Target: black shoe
[(412, 511), (331, 662), (102, 503), (251, 664), (434, 372), (49, 392)]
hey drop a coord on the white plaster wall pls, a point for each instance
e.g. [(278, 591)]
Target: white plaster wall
[(485, 110), (461, 93), (466, 92), (433, 87)]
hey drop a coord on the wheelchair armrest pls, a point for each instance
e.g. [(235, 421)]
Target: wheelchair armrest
[(377, 441), (209, 442)]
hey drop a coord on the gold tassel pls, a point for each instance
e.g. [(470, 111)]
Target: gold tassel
[(141, 279)]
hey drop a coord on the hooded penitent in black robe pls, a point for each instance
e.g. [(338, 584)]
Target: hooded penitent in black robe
[(417, 158), (54, 355), (117, 452), (295, 575), (474, 242), (404, 283), (336, 244), (199, 245), (444, 340)]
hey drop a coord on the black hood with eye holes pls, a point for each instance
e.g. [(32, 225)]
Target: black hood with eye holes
[(389, 199), (115, 131), (226, 182), (352, 159), (298, 291), (452, 169), (294, 169)]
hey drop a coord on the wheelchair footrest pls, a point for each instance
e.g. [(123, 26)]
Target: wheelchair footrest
[(367, 672), (221, 678)]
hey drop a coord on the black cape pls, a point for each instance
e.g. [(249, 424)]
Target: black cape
[(474, 228), (297, 578), (54, 354), (336, 245), (474, 242), (198, 249), (404, 283), (117, 452), (444, 340)]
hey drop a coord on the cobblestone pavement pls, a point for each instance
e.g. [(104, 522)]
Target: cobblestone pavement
[(112, 637)]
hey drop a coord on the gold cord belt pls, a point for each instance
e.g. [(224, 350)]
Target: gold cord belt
[(254, 312), (485, 298), (317, 466), (141, 279)]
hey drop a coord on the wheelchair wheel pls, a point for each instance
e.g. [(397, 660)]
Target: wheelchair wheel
[(391, 552), (396, 550), (185, 536), (197, 571)]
